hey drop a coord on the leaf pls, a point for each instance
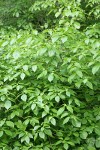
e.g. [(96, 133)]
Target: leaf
[(8, 132), (16, 55), (46, 108), (1, 133), (17, 14), (12, 41), (2, 123), (77, 102), (42, 135), (27, 139), (95, 69), (66, 120), (34, 68), (77, 25), (36, 127), (57, 99), (10, 124), (65, 146), (87, 41), (44, 114), (53, 121), (24, 97), (68, 93), (78, 84), (60, 111), (79, 73), (46, 148), (57, 14), (28, 40), (25, 67), (50, 77), (41, 51), (54, 39), (51, 53), (97, 143), (33, 106), (48, 132), (64, 114), (76, 123), (5, 43), (70, 108), (7, 104), (22, 76), (89, 84), (64, 39), (83, 135)]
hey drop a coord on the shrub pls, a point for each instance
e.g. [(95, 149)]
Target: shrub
[(49, 85)]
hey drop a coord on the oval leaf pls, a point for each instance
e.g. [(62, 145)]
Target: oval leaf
[(24, 97), (7, 104)]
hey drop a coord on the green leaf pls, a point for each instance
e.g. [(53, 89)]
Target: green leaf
[(1, 133), (33, 106), (36, 127), (97, 143), (24, 97), (77, 25), (46, 108), (57, 14), (25, 67), (22, 76), (79, 73), (28, 40), (95, 69), (54, 39), (50, 77), (91, 148), (42, 135), (84, 135), (10, 124), (70, 108), (60, 111), (66, 120), (76, 123), (64, 39), (41, 51), (65, 146), (8, 132), (51, 53), (34, 68), (5, 43), (64, 114), (97, 131), (2, 123), (17, 14), (16, 55), (89, 84), (27, 139), (57, 99), (44, 114), (68, 93), (46, 148), (48, 132), (53, 121), (7, 104), (77, 102)]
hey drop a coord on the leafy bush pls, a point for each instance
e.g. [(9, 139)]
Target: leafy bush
[(49, 83)]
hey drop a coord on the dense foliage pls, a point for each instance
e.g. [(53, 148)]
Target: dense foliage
[(49, 75)]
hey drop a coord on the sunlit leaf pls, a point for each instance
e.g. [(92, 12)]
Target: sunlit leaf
[(7, 104)]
